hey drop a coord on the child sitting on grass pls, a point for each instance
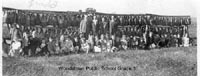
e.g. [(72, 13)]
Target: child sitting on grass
[(84, 45), (51, 46), (97, 46), (77, 44), (43, 49), (67, 46), (103, 43), (124, 42)]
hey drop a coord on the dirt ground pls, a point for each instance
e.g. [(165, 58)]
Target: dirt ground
[(157, 62)]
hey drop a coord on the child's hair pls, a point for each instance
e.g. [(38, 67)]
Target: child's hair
[(43, 39)]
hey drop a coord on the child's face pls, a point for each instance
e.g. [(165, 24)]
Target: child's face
[(103, 19), (141, 40), (102, 37), (76, 39), (56, 44), (174, 35), (150, 34), (50, 39), (178, 36), (134, 38), (107, 36), (165, 35), (67, 39), (94, 17), (82, 39), (113, 37), (96, 38), (62, 37)]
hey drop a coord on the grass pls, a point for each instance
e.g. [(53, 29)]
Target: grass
[(157, 62)]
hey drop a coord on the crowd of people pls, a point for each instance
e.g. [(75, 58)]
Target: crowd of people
[(36, 34)]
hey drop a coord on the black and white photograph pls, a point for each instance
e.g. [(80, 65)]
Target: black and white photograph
[(99, 38)]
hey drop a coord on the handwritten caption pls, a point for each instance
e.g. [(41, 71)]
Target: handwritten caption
[(48, 3), (93, 68)]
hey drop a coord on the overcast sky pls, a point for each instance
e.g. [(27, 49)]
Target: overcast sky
[(162, 7)]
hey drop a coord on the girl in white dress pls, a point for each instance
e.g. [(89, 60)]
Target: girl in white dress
[(15, 48), (185, 40)]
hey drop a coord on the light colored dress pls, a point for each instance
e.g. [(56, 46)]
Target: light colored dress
[(109, 46), (15, 48), (185, 41), (124, 44)]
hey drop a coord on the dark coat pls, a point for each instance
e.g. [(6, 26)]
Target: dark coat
[(51, 47), (37, 20), (103, 27), (28, 19), (32, 20)]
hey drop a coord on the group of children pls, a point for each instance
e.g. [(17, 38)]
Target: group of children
[(80, 44)]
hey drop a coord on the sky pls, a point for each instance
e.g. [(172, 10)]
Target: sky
[(161, 7)]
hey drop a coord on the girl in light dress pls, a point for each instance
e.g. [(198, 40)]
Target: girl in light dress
[(108, 43), (90, 41), (97, 47), (124, 42), (15, 48), (185, 40), (84, 45), (103, 43)]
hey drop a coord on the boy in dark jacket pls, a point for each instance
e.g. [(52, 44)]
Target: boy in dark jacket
[(51, 46), (43, 49)]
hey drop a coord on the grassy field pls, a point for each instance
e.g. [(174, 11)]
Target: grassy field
[(157, 62)]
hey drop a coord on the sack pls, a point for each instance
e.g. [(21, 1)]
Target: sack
[(97, 49)]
